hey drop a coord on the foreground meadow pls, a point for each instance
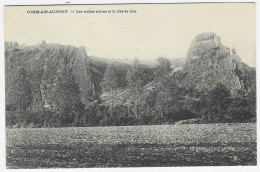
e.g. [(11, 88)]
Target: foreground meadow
[(132, 146)]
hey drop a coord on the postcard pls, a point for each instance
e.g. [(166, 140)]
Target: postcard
[(130, 85)]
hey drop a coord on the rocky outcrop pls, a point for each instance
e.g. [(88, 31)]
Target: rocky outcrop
[(208, 62), (43, 64)]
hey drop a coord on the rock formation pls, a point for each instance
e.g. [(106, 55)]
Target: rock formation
[(43, 64), (208, 62)]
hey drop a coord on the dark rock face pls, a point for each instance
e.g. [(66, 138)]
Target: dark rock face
[(208, 62), (43, 64)]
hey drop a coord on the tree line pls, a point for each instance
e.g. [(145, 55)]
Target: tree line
[(151, 95)]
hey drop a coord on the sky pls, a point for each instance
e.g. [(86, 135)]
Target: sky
[(154, 30)]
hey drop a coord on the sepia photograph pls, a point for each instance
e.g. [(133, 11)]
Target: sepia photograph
[(130, 85)]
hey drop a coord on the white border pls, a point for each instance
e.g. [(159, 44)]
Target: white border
[(64, 2)]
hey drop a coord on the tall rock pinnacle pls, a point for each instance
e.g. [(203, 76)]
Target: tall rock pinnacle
[(209, 62)]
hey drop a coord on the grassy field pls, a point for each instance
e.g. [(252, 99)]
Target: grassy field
[(132, 146)]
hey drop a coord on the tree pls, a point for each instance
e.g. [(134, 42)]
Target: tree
[(109, 84), (163, 69), (67, 97), (217, 102), (16, 44), (243, 108), (19, 93), (164, 85), (23, 45), (135, 81), (234, 51)]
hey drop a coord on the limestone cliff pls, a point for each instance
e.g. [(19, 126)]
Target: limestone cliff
[(208, 62), (43, 64)]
